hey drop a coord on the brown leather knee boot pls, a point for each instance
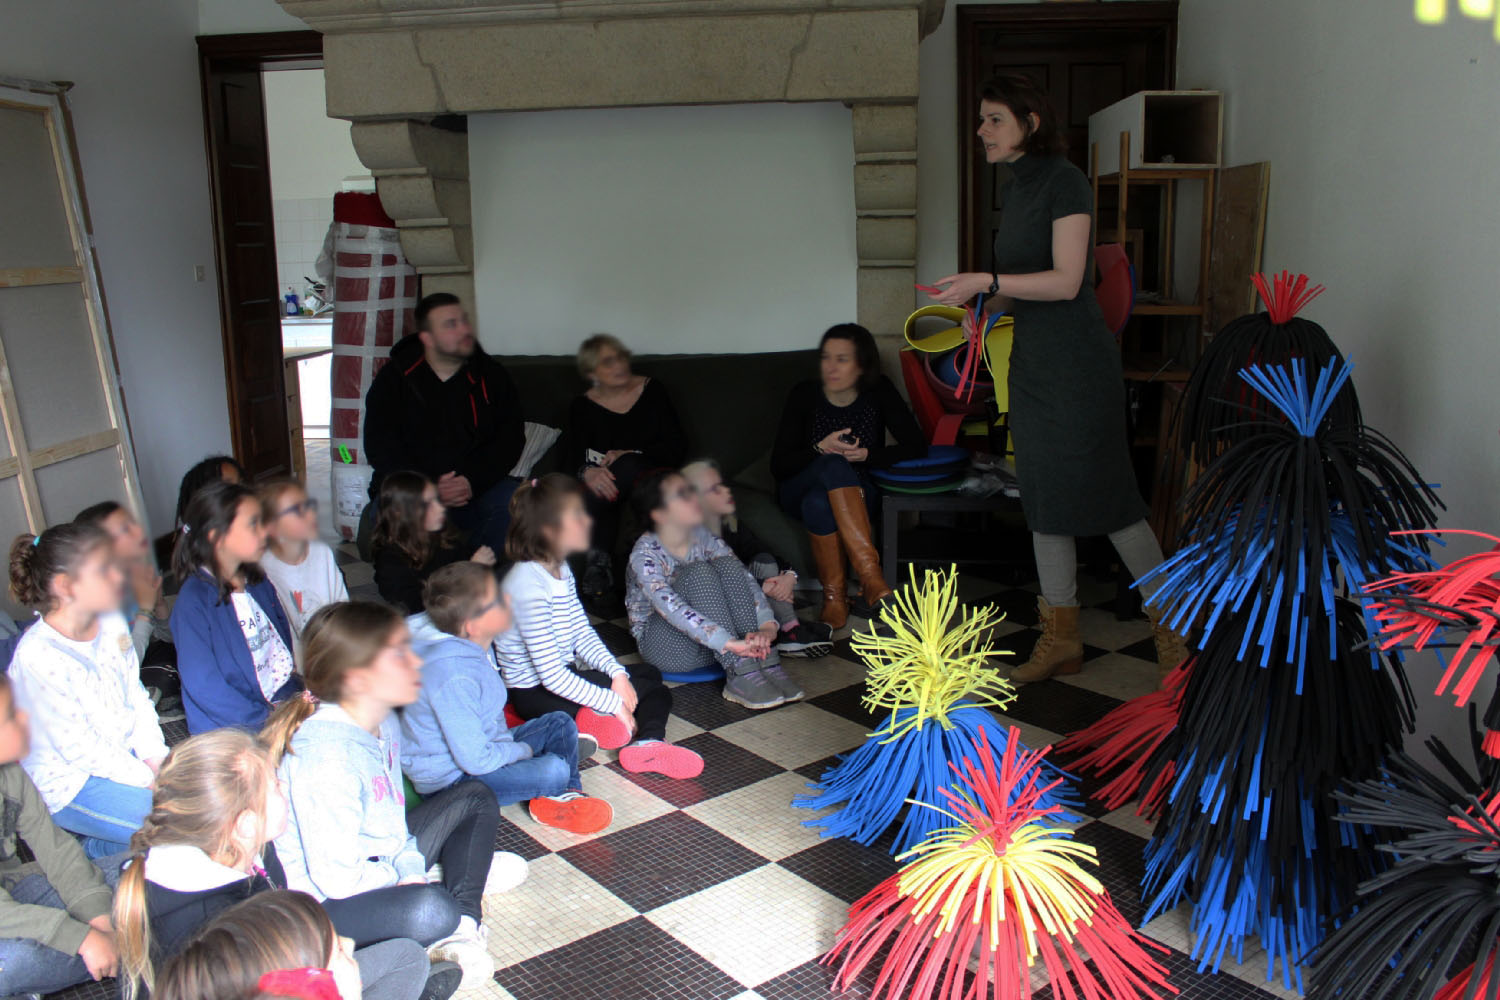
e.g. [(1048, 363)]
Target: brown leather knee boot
[(829, 559), (853, 519)]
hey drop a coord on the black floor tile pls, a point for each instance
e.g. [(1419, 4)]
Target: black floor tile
[(843, 868), (654, 863), (1017, 647), (107, 989), (617, 639), (704, 706), (1145, 649), (1018, 606), (812, 981), (1062, 708), (849, 703), (726, 767), (1121, 866), (635, 959), (513, 838), (816, 770)]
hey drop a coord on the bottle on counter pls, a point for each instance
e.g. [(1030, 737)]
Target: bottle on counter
[(293, 308)]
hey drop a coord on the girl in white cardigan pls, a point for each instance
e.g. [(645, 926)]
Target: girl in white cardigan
[(95, 742)]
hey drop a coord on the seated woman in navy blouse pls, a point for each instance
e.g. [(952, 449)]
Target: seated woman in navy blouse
[(622, 426), (832, 431)]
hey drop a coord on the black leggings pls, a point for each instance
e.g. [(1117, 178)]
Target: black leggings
[(653, 699), (608, 514), (455, 827)]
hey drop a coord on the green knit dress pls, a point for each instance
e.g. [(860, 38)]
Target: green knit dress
[(1067, 394)]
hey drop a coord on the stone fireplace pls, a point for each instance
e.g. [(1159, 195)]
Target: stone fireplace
[(393, 66)]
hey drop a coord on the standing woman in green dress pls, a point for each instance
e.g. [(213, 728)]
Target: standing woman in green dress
[(1067, 391)]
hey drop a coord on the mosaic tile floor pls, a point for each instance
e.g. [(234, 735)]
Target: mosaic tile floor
[(713, 889)]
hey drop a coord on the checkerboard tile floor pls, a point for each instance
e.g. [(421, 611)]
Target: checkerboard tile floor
[(715, 889)]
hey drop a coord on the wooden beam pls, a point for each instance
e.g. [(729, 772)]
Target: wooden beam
[(10, 416), (20, 277), (64, 450), (9, 467)]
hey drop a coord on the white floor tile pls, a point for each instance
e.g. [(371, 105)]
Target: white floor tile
[(1101, 628), (1117, 675), (1125, 818), (760, 816), (820, 676), (1172, 929), (732, 923), (557, 905), (795, 735)]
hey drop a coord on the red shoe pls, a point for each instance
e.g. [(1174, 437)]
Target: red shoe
[(608, 731), (660, 757), (572, 811)]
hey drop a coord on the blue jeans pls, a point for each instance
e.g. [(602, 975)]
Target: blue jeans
[(805, 495), (552, 768), (105, 813), (486, 517), (28, 966)]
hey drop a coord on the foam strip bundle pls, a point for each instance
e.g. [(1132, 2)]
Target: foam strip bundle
[(931, 667), (1001, 881)]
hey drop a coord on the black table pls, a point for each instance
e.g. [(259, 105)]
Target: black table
[(893, 504)]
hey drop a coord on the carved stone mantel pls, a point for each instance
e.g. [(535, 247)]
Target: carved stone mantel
[(394, 65)]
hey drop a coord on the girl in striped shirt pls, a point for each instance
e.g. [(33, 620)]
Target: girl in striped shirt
[(553, 660)]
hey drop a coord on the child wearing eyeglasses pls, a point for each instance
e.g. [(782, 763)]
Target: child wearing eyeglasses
[(300, 566)]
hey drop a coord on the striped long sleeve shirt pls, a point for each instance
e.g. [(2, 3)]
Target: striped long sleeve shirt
[(552, 632)]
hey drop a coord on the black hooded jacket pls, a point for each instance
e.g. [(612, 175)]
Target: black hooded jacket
[(470, 424)]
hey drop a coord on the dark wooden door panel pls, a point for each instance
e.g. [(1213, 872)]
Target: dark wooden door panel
[(1086, 55), (248, 293)]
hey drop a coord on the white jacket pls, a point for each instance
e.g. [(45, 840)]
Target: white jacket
[(90, 716)]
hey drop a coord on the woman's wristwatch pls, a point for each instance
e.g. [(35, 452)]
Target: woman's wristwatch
[(994, 284)]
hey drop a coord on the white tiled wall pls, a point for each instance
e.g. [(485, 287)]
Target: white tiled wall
[(301, 224)]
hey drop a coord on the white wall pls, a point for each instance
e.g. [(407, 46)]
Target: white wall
[(1383, 138), (227, 17), (678, 229), (138, 117)]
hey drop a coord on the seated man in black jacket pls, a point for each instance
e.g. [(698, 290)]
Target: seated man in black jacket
[(443, 407)]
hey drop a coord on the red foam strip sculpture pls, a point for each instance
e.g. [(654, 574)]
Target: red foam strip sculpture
[(1002, 884), (1288, 295)]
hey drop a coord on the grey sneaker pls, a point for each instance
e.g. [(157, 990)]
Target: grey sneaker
[(783, 683), (753, 689)]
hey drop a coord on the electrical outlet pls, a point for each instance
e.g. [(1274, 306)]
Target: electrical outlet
[(199, 272)]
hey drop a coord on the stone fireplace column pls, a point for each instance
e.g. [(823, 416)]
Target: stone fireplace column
[(885, 205), (422, 177)]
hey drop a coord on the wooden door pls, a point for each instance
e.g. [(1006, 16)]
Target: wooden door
[(249, 300), (64, 442), (1086, 55)]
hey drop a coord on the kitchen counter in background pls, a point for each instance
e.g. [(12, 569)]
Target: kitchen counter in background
[(307, 351)]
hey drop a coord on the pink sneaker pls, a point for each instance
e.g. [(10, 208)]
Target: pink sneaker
[(608, 731), (661, 757)]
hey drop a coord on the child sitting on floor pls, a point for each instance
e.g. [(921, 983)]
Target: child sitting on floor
[(205, 847), (691, 602), (278, 944), (145, 603), (776, 577), (455, 730), (96, 744), (349, 839), (54, 912), (413, 538), (299, 565), (234, 644), (540, 657)]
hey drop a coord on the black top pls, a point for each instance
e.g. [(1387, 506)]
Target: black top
[(809, 417), (176, 916), (650, 427), (400, 583), (1067, 392), (470, 424)]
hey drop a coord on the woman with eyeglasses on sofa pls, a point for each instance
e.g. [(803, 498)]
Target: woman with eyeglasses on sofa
[(622, 426), (833, 430)]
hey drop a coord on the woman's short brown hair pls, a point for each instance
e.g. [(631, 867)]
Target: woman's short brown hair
[(537, 505), (590, 349), (1025, 98)]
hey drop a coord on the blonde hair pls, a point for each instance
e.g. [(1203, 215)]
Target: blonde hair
[(589, 350), (338, 638), (270, 931), (715, 523), (271, 492), (205, 785)]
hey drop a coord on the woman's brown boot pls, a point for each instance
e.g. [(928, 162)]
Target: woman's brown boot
[(1059, 649), (1171, 648), (853, 519), (829, 558)]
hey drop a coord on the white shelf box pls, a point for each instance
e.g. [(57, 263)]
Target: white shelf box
[(1168, 129)]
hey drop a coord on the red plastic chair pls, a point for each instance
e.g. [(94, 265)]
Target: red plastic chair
[(1115, 288)]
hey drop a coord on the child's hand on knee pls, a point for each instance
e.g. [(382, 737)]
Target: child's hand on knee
[(621, 686)]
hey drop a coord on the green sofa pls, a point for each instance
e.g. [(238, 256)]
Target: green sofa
[(729, 404)]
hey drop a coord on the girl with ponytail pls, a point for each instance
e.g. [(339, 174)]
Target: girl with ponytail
[(96, 743), (349, 840), (205, 847)]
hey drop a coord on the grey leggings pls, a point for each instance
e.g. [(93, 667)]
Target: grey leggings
[(720, 591), (764, 567), (1057, 561)]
